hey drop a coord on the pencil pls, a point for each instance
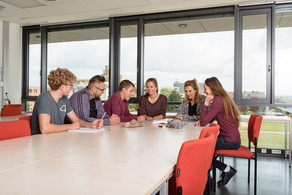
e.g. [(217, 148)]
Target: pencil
[(103, 115)]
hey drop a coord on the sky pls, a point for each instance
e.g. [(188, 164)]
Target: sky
[(176, 58)]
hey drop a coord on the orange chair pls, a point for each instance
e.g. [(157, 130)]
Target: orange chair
[(214, 129), (10, 111), (193, 164), (254, 126), (12, 105), (28, 118), (14, 129)]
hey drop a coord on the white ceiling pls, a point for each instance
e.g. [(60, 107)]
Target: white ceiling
[(30, 12)]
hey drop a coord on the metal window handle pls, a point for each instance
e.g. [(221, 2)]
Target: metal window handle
[(269, 68)]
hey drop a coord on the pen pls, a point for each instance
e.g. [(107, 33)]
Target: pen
[(103, 115)]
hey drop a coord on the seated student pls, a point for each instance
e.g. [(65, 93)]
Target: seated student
[(191, 107), (152, 105), (52, 106), (118, 103), (220, 106), (87, 105)]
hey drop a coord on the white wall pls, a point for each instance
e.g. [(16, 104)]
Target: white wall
[(1, 65), (12, 56)]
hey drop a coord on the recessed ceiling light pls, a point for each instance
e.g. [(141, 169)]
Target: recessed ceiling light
[(182, 25)]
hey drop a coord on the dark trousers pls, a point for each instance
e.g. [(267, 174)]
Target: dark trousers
[(222, 144)]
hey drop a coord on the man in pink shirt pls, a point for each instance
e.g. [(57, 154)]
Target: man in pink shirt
[(118, 103)]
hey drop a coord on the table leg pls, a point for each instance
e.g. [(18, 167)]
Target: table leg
[(285, 140), (290, 143)]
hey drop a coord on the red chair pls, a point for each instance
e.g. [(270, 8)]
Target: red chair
[(28, 118), (214, 129), (254, 126), (12, 105), (193, 164), (11, 111), (14, 129)]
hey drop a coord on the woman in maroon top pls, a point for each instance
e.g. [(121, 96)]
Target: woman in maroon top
[(152, 105), (219, 106)]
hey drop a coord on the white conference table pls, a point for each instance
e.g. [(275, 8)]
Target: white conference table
[(116, 161)]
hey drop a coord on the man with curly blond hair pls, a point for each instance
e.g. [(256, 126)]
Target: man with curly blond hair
[(53, 106)]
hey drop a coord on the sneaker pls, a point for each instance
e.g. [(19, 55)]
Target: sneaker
[(226, 176)]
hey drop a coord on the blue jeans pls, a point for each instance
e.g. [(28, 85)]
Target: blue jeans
[(222, 144)]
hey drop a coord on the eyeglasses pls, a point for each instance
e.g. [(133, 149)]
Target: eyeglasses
[(93, 110), (99, 88)]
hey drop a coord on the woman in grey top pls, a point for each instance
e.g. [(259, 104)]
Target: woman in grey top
[(191, 107)]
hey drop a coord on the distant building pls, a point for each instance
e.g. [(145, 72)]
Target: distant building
[(179, 85), (34, 91)]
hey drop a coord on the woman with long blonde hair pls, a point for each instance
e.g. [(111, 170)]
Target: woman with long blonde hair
[(191, 107), (219, 106)]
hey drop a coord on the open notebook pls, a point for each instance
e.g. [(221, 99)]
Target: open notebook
[(86, 130)]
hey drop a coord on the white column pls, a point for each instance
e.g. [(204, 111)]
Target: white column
[(12, 54)]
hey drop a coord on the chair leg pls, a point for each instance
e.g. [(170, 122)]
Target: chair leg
[(248, 177), (214, 173), (255, 175)]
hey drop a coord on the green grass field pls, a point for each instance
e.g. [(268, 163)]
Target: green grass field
[(272, 135)]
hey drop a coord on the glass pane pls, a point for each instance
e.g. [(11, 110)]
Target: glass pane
[(183, 49), (84, 52), (34, 63), (128, 54), (283, 84), (29, 106), (254, 56)]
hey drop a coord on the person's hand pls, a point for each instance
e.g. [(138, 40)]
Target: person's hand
[(208, 99), (157, 117), (114, 120), (141, 118), (197, 123), (97, 124), (179, 116), (75, 125), (149, 119)]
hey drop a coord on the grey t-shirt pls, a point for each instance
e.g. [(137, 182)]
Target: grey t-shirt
[(46, 104)]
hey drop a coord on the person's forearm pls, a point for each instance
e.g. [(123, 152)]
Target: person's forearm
[(53, 128), (158, 117), (84, 123)]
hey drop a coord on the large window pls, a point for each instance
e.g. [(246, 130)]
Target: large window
[(183, 49), (34, 62), (254, 56), (85, 52), (283, 59), (128, 54), (175, 47)]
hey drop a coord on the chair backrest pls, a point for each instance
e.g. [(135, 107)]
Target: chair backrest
[(213, 128), (12, 105), (10, 111), (14, 129), (193, 164), (28, 118), (254, 126)]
